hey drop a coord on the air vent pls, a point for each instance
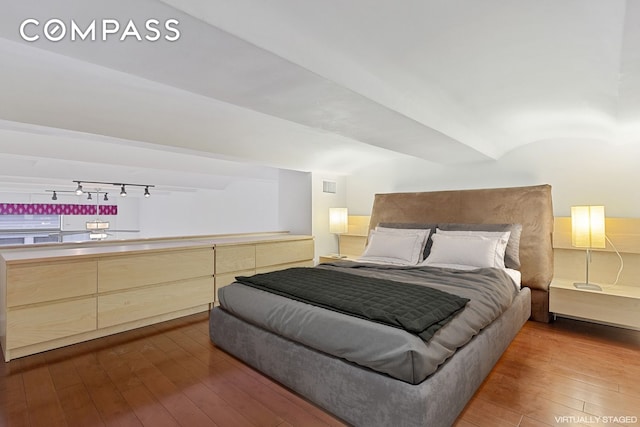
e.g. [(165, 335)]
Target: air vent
[(329, 187)]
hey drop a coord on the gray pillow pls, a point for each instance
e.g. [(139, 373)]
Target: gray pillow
[(512, 254)]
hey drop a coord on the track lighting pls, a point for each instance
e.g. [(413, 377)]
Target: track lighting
[(123, 191)]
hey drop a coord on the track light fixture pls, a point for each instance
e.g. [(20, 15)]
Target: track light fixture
[(80, 190), (122, 185), (54, 196)]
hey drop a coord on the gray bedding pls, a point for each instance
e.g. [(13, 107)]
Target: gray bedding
[(421, 310), (379, 347)]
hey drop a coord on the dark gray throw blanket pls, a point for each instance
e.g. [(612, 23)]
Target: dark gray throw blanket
[(417, 309)]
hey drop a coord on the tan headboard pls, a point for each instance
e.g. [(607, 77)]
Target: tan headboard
[(529, 206)]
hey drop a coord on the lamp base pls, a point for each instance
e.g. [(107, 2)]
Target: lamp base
[(588, 286)]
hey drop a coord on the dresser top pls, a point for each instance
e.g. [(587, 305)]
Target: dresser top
[(79, 250)]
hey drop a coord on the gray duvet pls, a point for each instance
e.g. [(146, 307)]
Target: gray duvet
[(379, 347)]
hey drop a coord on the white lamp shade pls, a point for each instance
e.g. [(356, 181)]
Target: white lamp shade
[(338, 220), (587, 227)]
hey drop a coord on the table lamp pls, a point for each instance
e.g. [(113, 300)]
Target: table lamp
[(587, 231), (338, 224)]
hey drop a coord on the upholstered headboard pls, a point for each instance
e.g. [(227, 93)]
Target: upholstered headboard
[(529, 206)]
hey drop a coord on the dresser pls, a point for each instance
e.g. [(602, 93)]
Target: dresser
[(64, 294)]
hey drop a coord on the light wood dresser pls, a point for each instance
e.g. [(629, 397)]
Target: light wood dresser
[(54, 296), (243, 257)]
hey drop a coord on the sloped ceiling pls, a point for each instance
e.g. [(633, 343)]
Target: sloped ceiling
[(318, 85)]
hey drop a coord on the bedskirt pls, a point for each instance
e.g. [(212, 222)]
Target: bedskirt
[(361, 396)]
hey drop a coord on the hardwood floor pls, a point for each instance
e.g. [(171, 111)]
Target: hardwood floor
[(566, 373)]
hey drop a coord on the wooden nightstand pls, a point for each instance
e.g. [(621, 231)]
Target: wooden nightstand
[(614, 305), (329, 258)]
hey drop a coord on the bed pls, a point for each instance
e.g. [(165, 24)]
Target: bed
[(255, 326)]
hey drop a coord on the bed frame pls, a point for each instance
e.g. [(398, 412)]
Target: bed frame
[(365, 398)]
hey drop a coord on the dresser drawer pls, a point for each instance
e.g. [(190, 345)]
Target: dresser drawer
[(235, 258), (136, 304), (35, 283), (268, 254), (32, 325), (124, 272)]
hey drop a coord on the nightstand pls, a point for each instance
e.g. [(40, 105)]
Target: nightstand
[(614, 305), (330, 258)]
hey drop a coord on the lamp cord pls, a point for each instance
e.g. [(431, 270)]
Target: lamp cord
[(619, 256)]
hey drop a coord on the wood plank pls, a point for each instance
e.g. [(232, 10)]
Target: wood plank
[(128, 271), (171, 374), (113, 408), (35, 324), (570, 264), (78, 406), (352, 246), (39, 282), (235, 258), (13, 400), (98, 333), (41, 393), (141, 303), (359, 225), (624, 232), (270, 254)]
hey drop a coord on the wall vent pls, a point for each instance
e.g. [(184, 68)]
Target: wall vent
[(329, 187)]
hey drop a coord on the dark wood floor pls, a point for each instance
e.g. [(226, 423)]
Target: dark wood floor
[(566, 373)]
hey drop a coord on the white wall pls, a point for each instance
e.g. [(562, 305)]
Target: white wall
[(326, 243), (245, 205), (294, 202), (242, 206), (280, 201), (580, 172)]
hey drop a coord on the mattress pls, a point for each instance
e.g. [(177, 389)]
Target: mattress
[(376, 346)]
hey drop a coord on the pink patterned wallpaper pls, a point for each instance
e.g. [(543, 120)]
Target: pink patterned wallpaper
[(55, 209)]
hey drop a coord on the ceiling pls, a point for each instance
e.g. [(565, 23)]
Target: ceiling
[(327, 86)]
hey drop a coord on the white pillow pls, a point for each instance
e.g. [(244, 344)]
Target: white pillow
[(504, 235), (394, 248), (476, 251), (424, 232)]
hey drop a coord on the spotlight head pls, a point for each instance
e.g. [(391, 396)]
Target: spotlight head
[(123, 192), (146, 192), (89, 196), (106, 199), (55, 196), (79, 188)]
